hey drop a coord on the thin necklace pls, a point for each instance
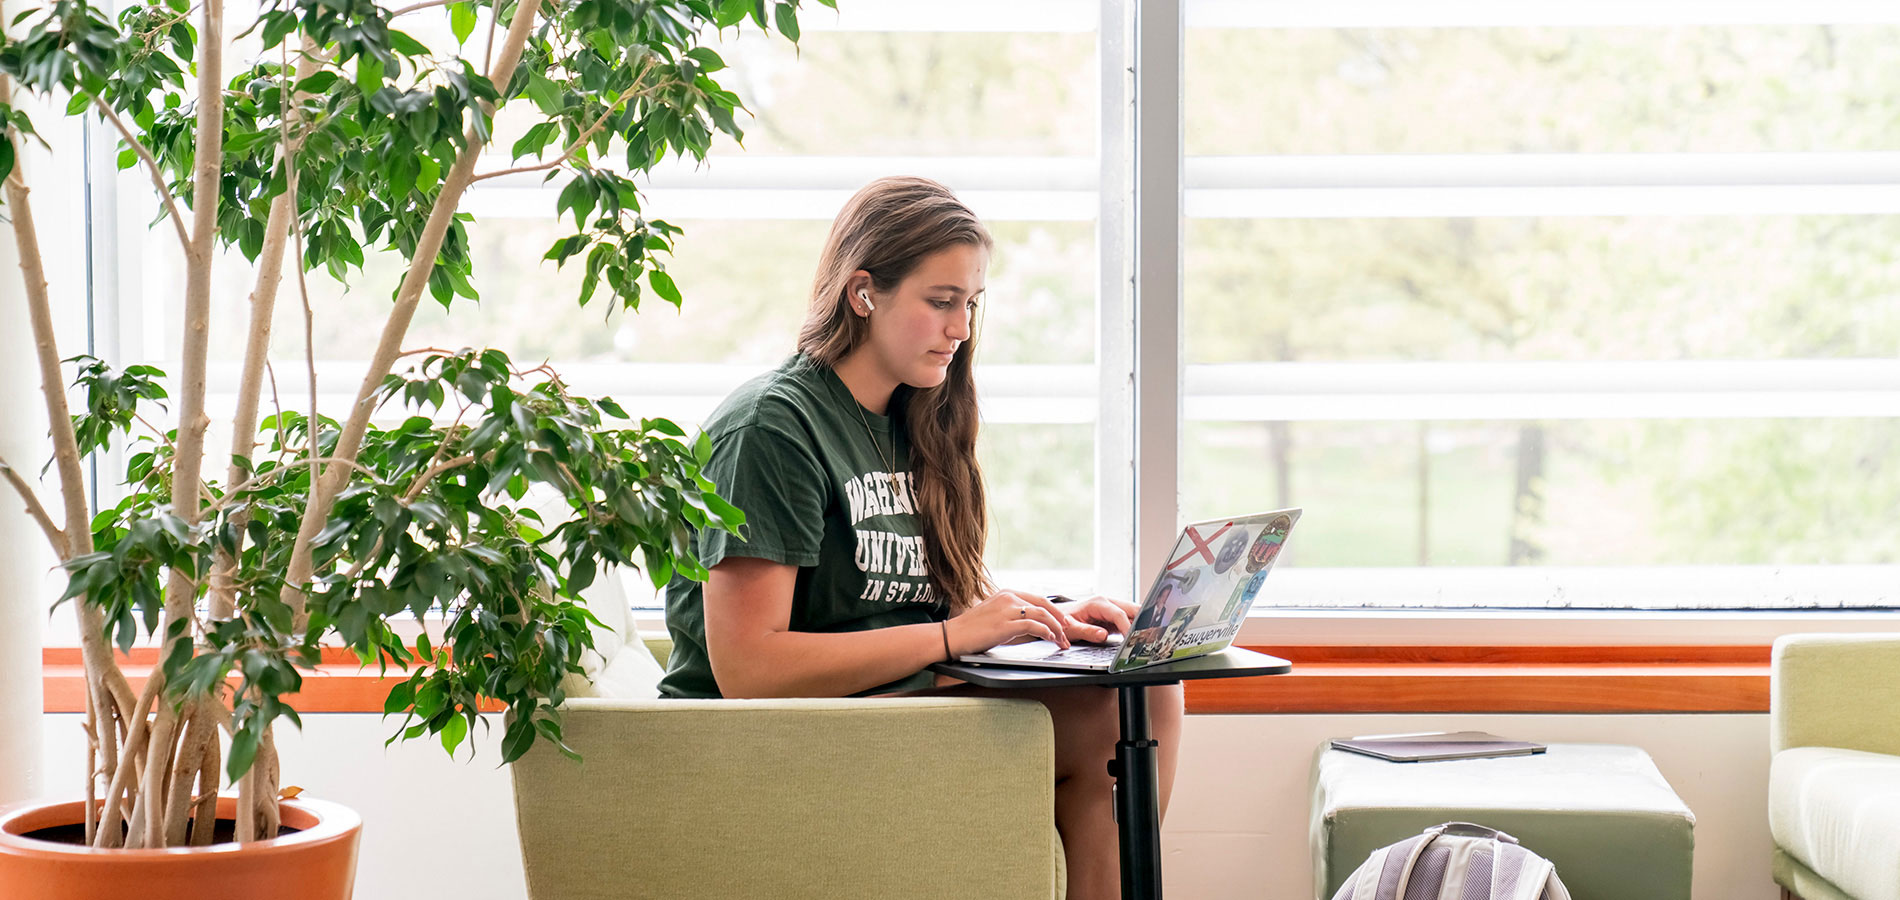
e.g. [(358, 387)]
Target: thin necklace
[(889, 465)]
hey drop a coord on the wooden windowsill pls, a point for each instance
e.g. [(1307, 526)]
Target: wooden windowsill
[(1728, 679), (1325, 679)]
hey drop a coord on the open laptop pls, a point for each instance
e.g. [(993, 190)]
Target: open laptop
[(1194, 608)]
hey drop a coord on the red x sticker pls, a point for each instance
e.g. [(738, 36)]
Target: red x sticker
[(1201, 547)]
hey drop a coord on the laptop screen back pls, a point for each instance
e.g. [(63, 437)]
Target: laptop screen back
[(1209, 581)]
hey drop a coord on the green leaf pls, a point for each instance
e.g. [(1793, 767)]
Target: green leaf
[(787, 19), (664, 286), (728, 514), (406, 45), (429, 700), (545, 94), (707, 59), (520, 737), (580, 196), (533, 141), (462, 20), (453, 732), (318, 83), (428, 174), (369, 74), (400, 696), (581, 574), (732, 12), (243, 752), (276, 26)]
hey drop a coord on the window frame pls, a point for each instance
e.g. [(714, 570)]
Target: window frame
[(1145, 189)]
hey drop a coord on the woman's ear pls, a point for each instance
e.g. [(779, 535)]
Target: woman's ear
[(857, 291)]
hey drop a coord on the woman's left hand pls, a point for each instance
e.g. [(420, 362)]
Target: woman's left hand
[(1094, 619)]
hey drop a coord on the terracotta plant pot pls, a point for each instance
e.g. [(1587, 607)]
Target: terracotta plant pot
[(316, 863)]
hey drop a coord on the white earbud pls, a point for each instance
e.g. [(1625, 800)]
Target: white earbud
[(866, 297)]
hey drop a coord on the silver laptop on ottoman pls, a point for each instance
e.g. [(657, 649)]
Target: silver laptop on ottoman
[(1194, 608)]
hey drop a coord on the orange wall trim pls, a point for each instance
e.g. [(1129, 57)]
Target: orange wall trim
[(339, 685), (1324, 680)]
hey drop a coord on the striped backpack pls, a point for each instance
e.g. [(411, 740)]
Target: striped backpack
[(1454, 861)]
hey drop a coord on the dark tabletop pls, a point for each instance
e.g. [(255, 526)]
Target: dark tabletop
[(1232, 662)]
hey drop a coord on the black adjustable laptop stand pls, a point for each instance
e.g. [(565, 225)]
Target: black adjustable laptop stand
[(1138, 790)]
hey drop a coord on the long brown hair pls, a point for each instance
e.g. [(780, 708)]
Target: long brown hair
[(886, 229)]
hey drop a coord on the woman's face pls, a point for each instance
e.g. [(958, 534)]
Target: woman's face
[(918, 326)]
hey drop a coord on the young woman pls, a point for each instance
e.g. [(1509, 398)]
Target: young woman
[(855, 462)]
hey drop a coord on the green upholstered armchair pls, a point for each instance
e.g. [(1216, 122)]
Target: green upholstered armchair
[(1834, 784), (887, 798)]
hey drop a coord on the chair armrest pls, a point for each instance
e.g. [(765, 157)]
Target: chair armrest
[(1835, 690), (867, 797), (660, 647)]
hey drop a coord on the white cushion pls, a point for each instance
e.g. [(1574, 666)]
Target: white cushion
[(626, 670), (1838, 812), (612, 672)]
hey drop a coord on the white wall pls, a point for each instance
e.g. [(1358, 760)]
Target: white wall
[(1237, 828), (26, 590), (22, 548)]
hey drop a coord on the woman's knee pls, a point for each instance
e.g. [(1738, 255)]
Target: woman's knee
[(1166, 703), (1086, 728), (1089, 707)]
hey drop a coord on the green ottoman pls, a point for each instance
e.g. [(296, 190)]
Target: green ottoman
[(1601, 813)]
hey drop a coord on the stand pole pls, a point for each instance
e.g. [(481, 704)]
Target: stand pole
[(1137, 795)]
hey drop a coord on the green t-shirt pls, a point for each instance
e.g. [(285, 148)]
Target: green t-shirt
[(794, 450)]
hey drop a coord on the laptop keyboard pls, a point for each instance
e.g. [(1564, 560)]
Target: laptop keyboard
[(1087, 654)]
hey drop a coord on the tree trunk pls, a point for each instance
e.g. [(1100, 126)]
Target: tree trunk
[(270, 268), (200, 735), (128, 770), (204, 819), (1424, 457), (1527, 496), (76, 532), (1280, 447), (325, 488), (188, 459)]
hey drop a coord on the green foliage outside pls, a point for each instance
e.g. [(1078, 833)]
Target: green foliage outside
[(1616, 492)]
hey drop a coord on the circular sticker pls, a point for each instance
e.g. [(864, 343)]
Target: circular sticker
[(1267, 546), (1230, 551)]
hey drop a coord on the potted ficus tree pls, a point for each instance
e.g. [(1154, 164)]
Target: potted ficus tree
[(342, 132)]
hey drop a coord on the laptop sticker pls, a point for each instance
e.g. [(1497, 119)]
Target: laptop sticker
[(1230, 551), (1162, 641), (1202, 548), (1243, 594), (1268, 545)]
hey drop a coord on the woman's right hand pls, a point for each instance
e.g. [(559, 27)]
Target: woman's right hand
[(1004, 616)]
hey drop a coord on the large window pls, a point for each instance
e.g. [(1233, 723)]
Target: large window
[(1526, 307), (1533, 307), (999, 105)]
